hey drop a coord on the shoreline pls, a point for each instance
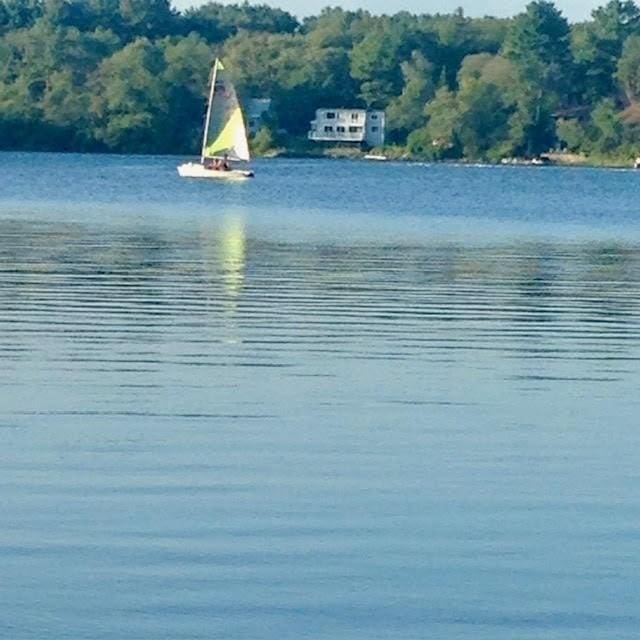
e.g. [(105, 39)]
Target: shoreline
[(296, 149), (549, 160)]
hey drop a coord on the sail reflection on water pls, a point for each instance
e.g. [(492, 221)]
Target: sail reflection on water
[(224, 249), (232, 248)]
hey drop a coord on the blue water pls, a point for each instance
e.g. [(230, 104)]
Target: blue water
[(343, 400)]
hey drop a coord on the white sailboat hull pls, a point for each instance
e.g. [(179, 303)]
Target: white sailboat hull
[(196, 170)]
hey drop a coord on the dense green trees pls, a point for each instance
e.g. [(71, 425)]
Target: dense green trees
[(131, 75), (217, 22), (405, 113), (537, 44), (628, 68), (597, 46)]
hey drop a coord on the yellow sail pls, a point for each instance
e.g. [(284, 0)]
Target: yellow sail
[(232, 140), (225, 132)]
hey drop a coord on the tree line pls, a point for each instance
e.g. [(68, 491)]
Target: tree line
[(131, 76)]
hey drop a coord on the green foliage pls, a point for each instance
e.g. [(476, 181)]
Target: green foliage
[(132, 75), (483, 119), (438, 139), (263, 142), (187, 63), (628, 72), (19, 14), (374, 62), (335, 27), (606, 127), (538, 47), (128, 102), (406, 112), (217, 22), (572, 134), (492, 69), (538, 43), (597, 46), (474, 121), (148, 18)]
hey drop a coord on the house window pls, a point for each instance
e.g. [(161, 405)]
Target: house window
[(355, 116), (331, 115), (374, 129), (340, 129), (355, 129), (374, 116), (328, 129)]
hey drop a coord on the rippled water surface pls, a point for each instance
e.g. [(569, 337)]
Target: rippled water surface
[(342, 401)]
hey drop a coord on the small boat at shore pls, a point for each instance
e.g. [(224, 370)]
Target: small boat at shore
[(537, 161), (376, 156), (225, 136)]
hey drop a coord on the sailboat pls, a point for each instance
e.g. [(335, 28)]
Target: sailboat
[(225, 136)]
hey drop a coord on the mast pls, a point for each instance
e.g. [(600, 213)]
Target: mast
[(208, 119)]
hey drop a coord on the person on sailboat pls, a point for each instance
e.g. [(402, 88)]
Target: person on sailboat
[(225, 166)]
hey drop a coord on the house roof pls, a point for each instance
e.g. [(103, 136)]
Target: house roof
[(256, 107)]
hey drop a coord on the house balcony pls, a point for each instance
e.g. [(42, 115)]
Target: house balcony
[(336, 136)]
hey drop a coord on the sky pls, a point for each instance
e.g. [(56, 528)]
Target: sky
[(574, 10)]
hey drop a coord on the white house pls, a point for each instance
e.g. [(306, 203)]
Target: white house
[(348, 125), (257, 109)]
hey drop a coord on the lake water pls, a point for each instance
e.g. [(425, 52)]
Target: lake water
[(341, 401)]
